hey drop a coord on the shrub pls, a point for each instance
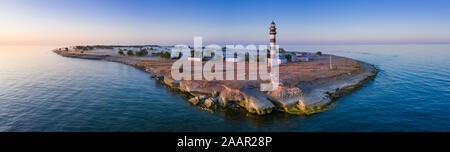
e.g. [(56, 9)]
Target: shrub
[(319, 53), (78, 47), (84, 48), (142, 52), (166, 55), (163, 54), (103, 47), (288, 57), (130, 53), (121, 52)]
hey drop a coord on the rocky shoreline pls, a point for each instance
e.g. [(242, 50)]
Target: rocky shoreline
[(305, 97)]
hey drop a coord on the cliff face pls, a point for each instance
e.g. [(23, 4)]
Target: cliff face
[(307, 87)]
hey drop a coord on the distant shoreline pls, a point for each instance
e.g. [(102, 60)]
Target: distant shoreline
[(307, 87)]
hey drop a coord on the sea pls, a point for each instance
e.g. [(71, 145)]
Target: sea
[(41, 91)]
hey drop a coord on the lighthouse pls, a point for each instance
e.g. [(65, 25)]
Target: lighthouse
[(273, 62), (273, 33)]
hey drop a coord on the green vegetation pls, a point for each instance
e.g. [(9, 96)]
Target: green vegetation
[(309, 111), (163, 54), (84, 48), (103, 47), (143, 52), (288, 57), (121, 52), (319, 53), (130, 53)]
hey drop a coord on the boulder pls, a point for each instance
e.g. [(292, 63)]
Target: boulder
[(195, 88), (228, 95), (170, 82), (197, 100), (257, 103), (210, 102), (201, 98), (194, 100), (285, 97), (220, 102), (158, 76)]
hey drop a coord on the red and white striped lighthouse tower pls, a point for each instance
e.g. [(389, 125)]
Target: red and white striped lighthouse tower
[(273, 33)]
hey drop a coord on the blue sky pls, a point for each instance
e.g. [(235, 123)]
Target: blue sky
[(73, 22)]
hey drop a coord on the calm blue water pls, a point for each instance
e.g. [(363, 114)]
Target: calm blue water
[(41, 91)]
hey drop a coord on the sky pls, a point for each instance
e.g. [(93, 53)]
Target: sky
[(170, 22)]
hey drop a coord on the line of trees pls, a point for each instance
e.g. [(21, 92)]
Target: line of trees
[(130, 53), (163, 54), (142, 52), (84, 48)]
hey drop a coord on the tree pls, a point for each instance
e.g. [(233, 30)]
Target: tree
[(121, 52), (166, 55), (142, 52), (84, 48), (162, 54), (288, 57), (319, 53), (89, 48), (130, 53)]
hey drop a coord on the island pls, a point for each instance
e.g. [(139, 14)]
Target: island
[(309, 81)]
